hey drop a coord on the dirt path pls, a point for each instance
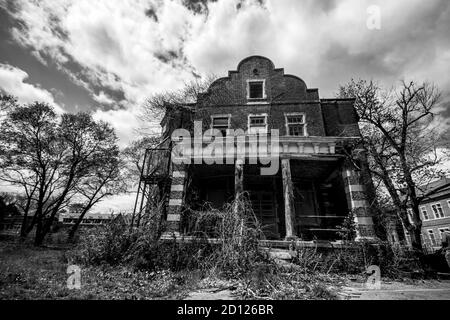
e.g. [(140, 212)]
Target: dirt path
[(211, 294), (421, 290)]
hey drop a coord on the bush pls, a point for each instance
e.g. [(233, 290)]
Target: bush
[(234, 254), (104, 244), (355, 257)]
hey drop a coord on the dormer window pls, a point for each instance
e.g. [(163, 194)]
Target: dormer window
[(256, 89)]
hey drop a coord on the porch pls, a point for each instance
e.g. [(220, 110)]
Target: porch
[(314, 211)]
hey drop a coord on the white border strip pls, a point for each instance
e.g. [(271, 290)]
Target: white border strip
[(177, 187), (173, 217), (175, 202), (178, 174)]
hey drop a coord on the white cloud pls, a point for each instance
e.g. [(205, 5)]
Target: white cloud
[(103, 98), (12, 81), (324, 42), (121, 203)]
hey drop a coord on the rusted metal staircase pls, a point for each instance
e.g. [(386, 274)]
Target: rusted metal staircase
[(153, 181)]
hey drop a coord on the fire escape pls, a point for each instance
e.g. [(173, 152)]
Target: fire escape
[(154, 182)]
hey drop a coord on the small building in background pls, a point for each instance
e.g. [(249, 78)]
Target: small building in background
[(70, 215), (434, 212)]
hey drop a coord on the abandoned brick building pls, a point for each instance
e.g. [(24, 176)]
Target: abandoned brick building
[(316, 186)]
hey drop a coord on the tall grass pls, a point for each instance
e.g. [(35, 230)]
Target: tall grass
[(235, 252)]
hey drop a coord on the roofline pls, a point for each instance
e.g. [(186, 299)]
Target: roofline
[(337, 99), (254, 56)]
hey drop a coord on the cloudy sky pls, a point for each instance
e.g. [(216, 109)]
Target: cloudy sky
[(108, 56)]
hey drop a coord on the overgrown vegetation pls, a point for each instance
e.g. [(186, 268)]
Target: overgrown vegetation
[(232, 255), (236, 256)]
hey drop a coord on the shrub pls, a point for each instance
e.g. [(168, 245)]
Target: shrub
[(236, 251)]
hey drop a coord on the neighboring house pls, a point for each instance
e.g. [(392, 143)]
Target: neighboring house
[(10, 218), (315, 186), (69, 216), (434, 212)]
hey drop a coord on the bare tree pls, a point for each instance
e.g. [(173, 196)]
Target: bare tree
[(104, 180), (402, 137), (133, 155), (50, 157)]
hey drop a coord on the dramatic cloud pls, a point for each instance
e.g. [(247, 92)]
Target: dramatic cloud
[(137, 48), (121, 52), (12, 81)]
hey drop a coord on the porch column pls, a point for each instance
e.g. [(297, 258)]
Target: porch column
[(238, 178), (177, 188), (288, 199), (357, 202)]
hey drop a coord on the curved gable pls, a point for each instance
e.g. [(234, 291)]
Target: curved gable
[(278, 86)]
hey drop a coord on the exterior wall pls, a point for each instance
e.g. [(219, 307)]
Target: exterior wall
[(434, 223), (325, 120), (284, 94), (276, 119), (340, 117)]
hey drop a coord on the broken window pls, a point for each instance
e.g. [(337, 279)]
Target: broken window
[(295, 125), (257, 123), (437, 210), (255, 89), (221, 123)]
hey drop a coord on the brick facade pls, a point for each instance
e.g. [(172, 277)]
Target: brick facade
[(330, 124), (284, 94)]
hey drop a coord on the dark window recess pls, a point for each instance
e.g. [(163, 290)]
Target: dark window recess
[(256, 89), (258, 121), (296, 125), (295, 119), (296, 130), (221, 123)]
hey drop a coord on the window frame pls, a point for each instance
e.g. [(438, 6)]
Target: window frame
[(422, 209), (431, 232), (434, 213), (409, 213), (304, 123), (442, 230), (257, 115), (264, 95), (214, 116)]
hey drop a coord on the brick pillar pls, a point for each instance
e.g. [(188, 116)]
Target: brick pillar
[(177, 188), (238, 178), (357, 202), (288, 194)]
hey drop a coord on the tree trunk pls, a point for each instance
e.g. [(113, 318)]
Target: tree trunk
[(74, 228), (23, 228), (39, 237)]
